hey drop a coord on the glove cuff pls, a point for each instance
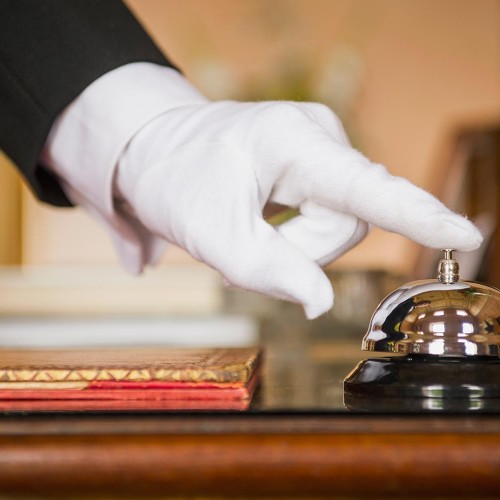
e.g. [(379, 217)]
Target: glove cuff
[(88, 138)]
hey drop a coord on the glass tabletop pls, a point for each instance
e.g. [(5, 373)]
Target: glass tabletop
[(306, 362)]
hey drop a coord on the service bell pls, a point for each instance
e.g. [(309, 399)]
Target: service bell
[(447, 332)]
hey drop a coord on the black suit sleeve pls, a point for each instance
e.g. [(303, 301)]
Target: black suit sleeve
[(50, 51)]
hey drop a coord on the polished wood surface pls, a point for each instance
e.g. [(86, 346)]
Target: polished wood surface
[(248, 455)]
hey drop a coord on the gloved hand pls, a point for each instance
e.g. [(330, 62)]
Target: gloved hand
[(200, 174)]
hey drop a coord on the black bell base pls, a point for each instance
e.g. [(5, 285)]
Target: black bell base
[(424, 383)]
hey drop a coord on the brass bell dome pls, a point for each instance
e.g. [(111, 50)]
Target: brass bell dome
[(443, 317)]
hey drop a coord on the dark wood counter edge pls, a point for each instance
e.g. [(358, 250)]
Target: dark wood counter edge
[(236, 464), (243, 423), (250, 455)]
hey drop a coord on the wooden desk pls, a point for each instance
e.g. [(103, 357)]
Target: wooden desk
[(297, 440)]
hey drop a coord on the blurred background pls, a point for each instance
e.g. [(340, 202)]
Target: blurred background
[(417, 86)]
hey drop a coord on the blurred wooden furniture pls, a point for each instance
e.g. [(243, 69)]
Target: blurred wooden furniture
[(470, 184), (484, 195)]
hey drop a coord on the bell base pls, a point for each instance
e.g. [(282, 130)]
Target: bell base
[(424, 382)]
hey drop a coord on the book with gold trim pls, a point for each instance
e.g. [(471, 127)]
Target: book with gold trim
[(122, 379)]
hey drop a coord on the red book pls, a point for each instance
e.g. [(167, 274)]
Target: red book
[(128, 379)]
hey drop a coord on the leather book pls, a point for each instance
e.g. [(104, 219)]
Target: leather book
[(128, 379)]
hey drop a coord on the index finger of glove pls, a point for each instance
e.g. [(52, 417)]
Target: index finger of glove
[(341, 178)]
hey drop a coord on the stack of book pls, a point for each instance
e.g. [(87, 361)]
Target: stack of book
[(128, 379)]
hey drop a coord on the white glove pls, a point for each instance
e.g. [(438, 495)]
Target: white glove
[(200, 174)]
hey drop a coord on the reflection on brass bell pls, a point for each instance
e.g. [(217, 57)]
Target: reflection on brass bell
[(448, 333)]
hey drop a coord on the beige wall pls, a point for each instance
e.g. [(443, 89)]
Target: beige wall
[(401, 74)]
